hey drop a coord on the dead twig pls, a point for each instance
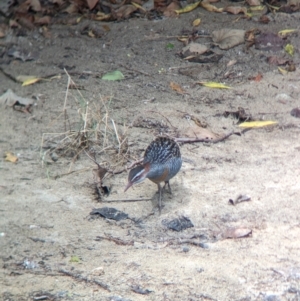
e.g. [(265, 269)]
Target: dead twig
[(192, 140), (117, 241), (71, 172), (127, 201), (84, 279)]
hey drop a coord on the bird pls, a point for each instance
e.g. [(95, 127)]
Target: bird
[(162, 161)]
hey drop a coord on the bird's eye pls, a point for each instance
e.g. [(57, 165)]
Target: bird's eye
[(136, 178)]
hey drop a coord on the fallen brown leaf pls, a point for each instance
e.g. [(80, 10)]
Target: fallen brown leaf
[(253, 2), (237, 233), (177, 88), (235, 10), (91, 3), (256, 78), (197, 132), (228, 38), (124, 11), (206, 5), (10, 157), (169, 11)]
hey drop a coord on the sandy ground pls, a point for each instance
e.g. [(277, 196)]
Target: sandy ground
[(49, 245)]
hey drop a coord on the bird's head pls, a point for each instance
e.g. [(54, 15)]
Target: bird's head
[(137, 175)]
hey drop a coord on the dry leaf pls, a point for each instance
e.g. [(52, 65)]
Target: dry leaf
[(188, 8), (101, 17), (196, 132), (169, 11), (214, 85), (139, 7), (124, 11), (253, 2), (282, 71), (228, 38), (275, 60), (3, 30), (264, 19), (196, 22), (11, 157), (177, 88), (257, 124), (206, 5), (9, 98), (92, 3), (256, 78), (235, 10), (45, 20), (231, 63), (237, 233), (286, 32), (71, 9), (27, 80), (14, 24), (269, 41), (35, 5), (193, 49)]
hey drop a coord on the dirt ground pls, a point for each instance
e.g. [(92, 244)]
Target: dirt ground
[(49, 244)]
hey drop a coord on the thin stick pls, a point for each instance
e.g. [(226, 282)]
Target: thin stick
[(127, 201), (66, 97), (191, 140), (73, 171), (116, 135)]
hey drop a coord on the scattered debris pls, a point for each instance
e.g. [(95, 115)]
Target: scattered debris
[(118, 298), (137, 289), (296, 112), (237, 233), (177, 88), (22, 54), (239, 199), (117, 241), (29, 264), (193, 50), (256, 78), (269, 41), (18, 103), (77, 276), (110, 213), (240, 115), (178, 224)]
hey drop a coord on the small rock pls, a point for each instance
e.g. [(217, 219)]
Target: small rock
[(296, 112)]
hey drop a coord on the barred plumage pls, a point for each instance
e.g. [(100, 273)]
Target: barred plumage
[(162, 161)]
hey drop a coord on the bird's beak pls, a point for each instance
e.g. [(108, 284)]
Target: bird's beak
[(128, 186)]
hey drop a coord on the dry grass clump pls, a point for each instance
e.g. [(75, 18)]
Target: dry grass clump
[(91, 130)]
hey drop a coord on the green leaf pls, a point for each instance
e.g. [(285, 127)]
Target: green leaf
[(74, 258), (170, 46), (114, 75)]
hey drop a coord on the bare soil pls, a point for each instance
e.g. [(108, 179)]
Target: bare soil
[(49, 246)]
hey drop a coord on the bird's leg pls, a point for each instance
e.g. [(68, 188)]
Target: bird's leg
[(168, 183), (159, 197)]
